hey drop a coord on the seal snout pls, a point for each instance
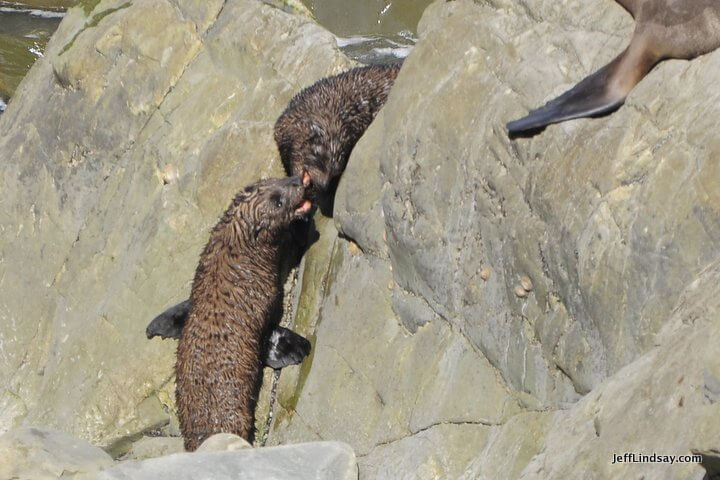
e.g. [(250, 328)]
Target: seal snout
[(304, 208), (297, 194)]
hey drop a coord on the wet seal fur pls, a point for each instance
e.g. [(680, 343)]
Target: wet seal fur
[(236, 298), (315, 136), (320, 126), (284, 347), (664, 29)]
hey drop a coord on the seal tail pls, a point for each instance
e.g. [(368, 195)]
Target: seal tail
[(602, 92)]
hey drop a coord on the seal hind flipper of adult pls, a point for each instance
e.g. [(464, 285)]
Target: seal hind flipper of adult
[(602, 92), (589, 97), (663, 29), (169, 324), (285, 348)]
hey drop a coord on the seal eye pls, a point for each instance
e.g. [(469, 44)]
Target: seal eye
[(277, 200)]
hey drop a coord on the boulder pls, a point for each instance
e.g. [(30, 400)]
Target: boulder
[(311, 461), (120, 150), (31, 453), (496, 296)]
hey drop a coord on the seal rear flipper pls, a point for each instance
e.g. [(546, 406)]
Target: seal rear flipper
[(592, 96), (170, 323), (285, 347), (602, 92)]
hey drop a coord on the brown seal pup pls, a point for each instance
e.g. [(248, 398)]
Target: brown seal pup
[(664, 29), (315, 135), (321, 124), (284, 347), (235, 296)]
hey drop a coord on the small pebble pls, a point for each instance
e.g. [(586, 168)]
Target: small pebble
[(169, 174), (485, 273), (354, 248), (520, 291), (526, 283)]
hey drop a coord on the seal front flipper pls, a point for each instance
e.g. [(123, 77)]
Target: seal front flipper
[(601, 92), (170, 323), (285, 347)]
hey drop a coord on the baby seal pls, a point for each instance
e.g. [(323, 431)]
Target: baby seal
[(321, 124), (664, 29), (235, 299), (315, 136)]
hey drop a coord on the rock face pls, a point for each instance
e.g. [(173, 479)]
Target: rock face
[(115, 173), (311, 461), (479, 307), (41, 454), (463, 367)]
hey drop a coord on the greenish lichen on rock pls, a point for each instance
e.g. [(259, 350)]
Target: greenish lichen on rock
[(93, 22)]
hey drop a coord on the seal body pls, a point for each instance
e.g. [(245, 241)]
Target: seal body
[(284, 347), (664, 29), (321, 124), (234, 302)]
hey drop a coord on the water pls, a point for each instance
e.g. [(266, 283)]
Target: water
[(24, 32), (371, 31), (369, 49)]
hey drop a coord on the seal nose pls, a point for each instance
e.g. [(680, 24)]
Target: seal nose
[(296, 181)]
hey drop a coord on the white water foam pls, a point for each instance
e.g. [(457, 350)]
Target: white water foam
[(36, 50), (3, 105), (397, 52), (32, 12), (343, 42)]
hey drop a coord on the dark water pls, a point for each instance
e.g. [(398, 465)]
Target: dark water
[(24, 32)]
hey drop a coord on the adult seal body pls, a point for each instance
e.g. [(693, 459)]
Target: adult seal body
[(236, 297), (682, 29)]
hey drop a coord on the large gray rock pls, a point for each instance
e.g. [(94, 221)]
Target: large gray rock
[(427, 340), (665, 402), (42, 454), (311, 461), (119, 151), (152, 447)]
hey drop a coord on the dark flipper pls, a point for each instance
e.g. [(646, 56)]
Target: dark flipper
[(592, 96), (170, 323), (284, 346)]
